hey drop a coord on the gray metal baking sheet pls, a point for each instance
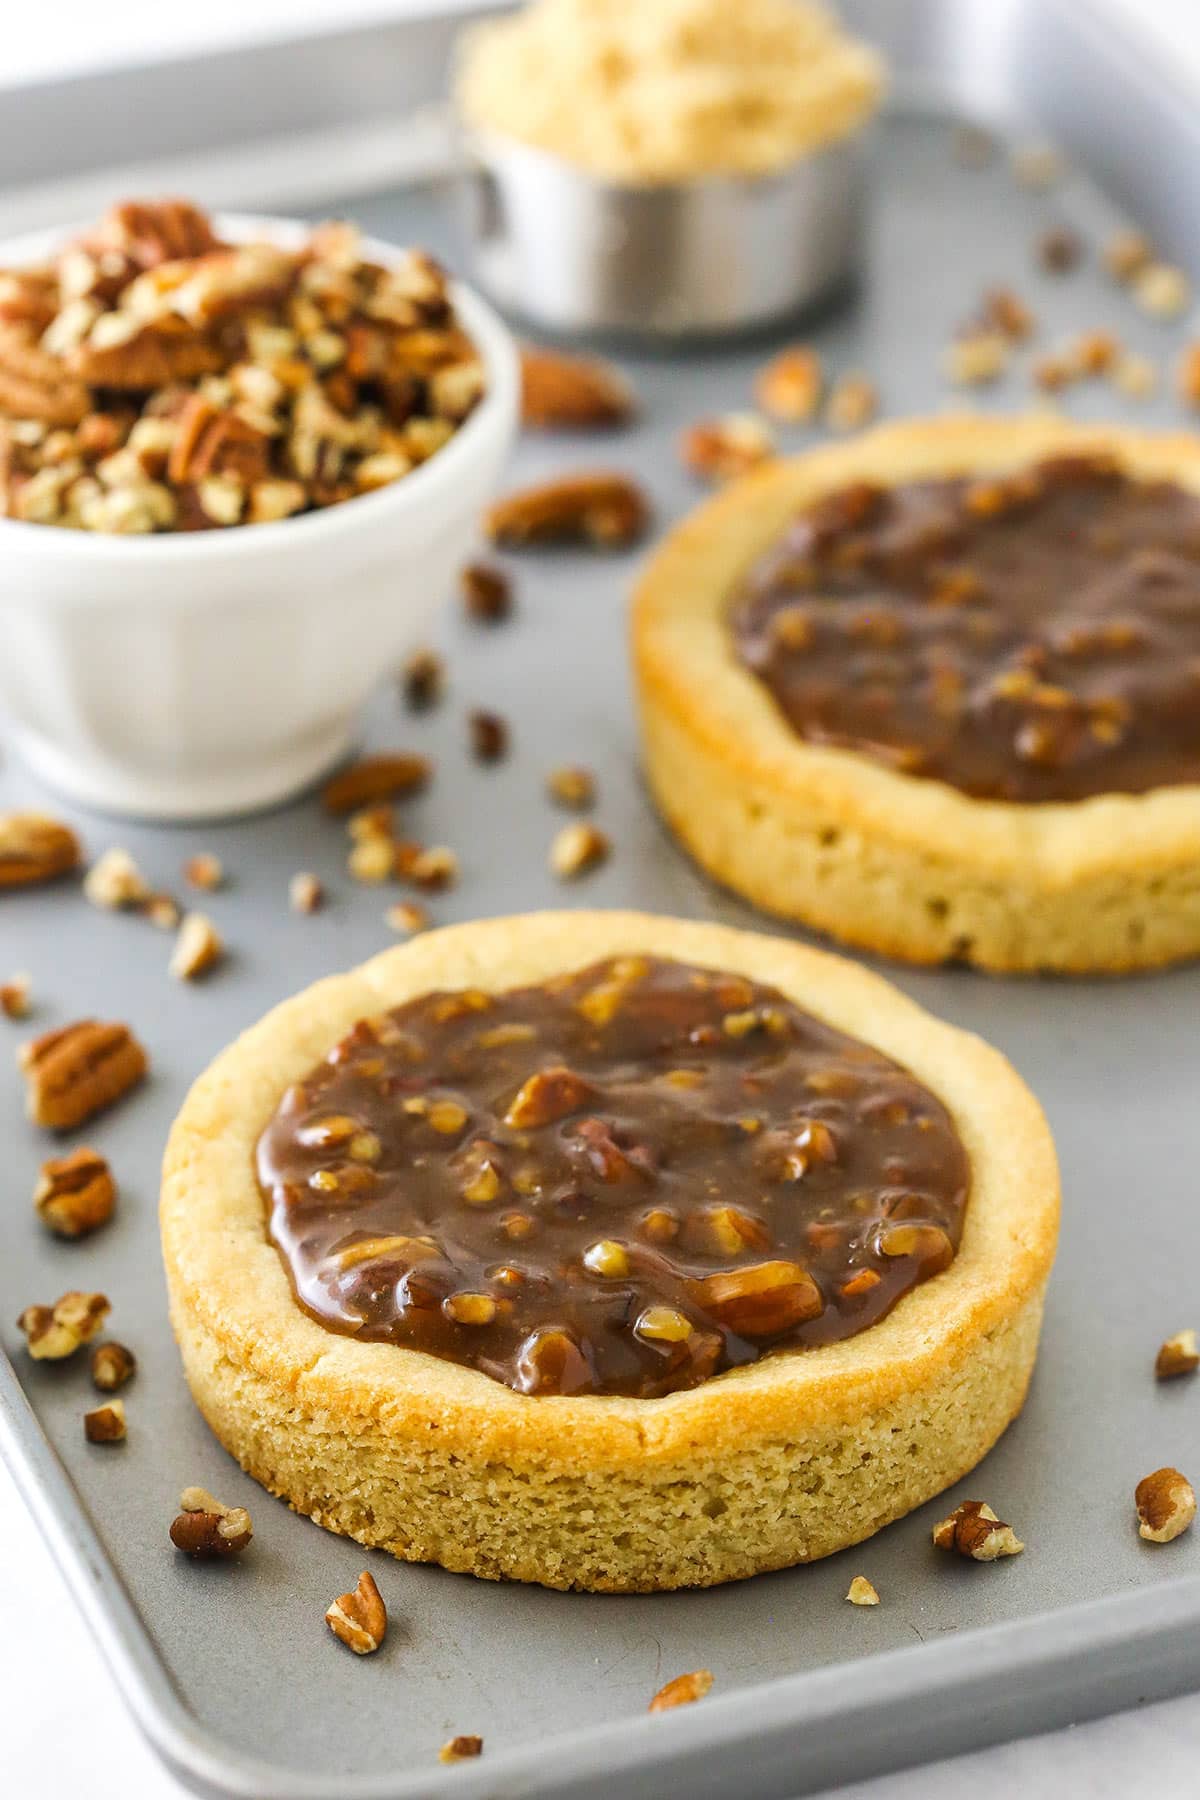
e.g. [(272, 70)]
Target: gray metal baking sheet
[(230, 1669)]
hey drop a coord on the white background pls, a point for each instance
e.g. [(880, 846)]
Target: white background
[(63, 1728)]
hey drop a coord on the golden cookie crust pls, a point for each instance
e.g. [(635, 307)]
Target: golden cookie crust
[(893, 862), (784, 1461)]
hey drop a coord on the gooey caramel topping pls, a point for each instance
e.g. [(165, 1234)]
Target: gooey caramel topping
[(1029, 637), (623, 1181)]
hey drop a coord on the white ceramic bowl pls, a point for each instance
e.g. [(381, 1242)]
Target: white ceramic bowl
[(217, 672)]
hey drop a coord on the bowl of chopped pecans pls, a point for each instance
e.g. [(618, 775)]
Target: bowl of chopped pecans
[(239, 461)]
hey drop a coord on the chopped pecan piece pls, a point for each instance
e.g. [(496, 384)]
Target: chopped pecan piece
[(489, 736), (423, 678), (459, 1749), (560, 392), (572, 786), (1059, 250), (105, 1424), (486, 592), (682, 1691), (375, 778), (762, 1299), (1166, 1505), (114, 881), (204, 1527), (58, 1331), (204, 871), (407, 918), (1037, 165), (607, 510), (1126, 254), (546, 1097), (198, 948), (861, 1592), (34, 848), (14, 997), (790, 387), (722, 449), (433, 869), (1179, 1355), (79, 1070), (75, 1194), (359, 1618), (976, 358), (112, 1365), (576, 849), (305, 892), (973, 1530), (1162, 290), (853, 401)]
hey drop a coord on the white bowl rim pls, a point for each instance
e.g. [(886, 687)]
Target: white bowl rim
[(410, 493)]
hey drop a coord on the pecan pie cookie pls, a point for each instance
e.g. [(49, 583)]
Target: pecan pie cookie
[(608, 1251), (937, 691)]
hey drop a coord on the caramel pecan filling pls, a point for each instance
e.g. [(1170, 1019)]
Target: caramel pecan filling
[(621, 1182), (1030, 637)]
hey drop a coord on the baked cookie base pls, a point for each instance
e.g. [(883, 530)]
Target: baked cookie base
[(787, 1460), (907, 867)]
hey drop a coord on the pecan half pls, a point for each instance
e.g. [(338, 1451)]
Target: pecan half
[(562, 392), (608, 511), (34, 384), (150, 232), (105, 1424), (132, 356), (682, 1691), (973, 1530), (205, 1527), (58, 1331), (34, 848), (1179, 1355), (359, 1618), (112, 1365), (79, 1070), (75, 1194), (375, 778), (1166, 1505)]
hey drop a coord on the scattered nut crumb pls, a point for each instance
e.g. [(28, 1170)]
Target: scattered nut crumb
[(1135, 376), (75, 1194), (58, 1331), (112, 1365), (564, 392), (489, 736), (204, 871), (1059, 250), (359, 1618), (853, 401), (198, 948), (486, 593), (576, 849), (305, 892), (1053, 372), (1004, 311), (975, 359), (423, 679), (114, 881), (372, 860), (973, 147), (375, 778), (15, 997), (861, 1592), (372, 822), (973, 1530), (460, 1748), (1126, 254), (1178, 1355), (682, 1691), (433, 869), (1187, 376), (407, 917), (789, 388), (105, 1424), (205, 1527), (1166, 1505), (572, 786), (1037, 165), (1094, 352), (722, 449), (1162, 290)]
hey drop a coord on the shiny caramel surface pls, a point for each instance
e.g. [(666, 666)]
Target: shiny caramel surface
[(622, 1182), (1033, 637)]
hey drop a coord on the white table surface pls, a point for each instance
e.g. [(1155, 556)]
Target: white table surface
[(65, 1732)]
